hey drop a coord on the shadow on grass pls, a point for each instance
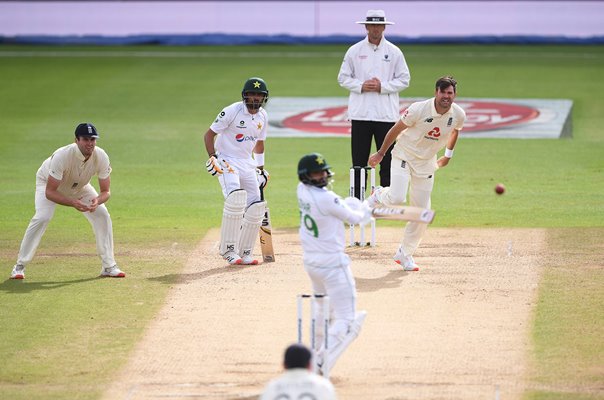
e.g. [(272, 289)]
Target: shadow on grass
[(185, 278), (25, 286)]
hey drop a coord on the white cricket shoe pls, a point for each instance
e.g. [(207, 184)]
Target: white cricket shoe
[(249, 260), (18, 272), (406, 262), (375, 199), (112, 272), (232, 258)]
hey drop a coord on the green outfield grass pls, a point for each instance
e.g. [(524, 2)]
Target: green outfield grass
[(65, 332)]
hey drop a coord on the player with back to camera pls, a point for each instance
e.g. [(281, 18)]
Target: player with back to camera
[(235, 145), (298, 382), (322, 234), (422, 131), (64, 178)]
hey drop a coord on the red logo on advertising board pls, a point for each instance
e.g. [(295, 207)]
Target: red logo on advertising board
[(480, 116)]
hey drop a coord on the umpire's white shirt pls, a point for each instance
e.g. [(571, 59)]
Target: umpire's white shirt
[(299, 384), (68, 165), (238, 131), (364, 61), (427, 133), (322, 234)]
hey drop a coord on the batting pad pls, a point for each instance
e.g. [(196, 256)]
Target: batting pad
[(234, 206), (252, 219), (355, 328)]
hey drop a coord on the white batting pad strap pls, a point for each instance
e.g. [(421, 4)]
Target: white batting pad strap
[(252, 219), (232, 215), (338, 349)]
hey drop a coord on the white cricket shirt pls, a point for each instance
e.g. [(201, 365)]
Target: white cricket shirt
[(299, 383), (238, 130), (67, 164), (427, 133), (322, 217), (364, 61)]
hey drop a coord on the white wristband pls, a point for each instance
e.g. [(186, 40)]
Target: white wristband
[(259, 159), (448, 153)]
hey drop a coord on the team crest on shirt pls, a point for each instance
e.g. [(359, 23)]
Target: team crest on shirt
[(450, 122), (259, 126)]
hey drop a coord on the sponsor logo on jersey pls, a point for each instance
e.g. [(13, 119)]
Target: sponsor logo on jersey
[(428, 120), (434, 134), (240, 137)]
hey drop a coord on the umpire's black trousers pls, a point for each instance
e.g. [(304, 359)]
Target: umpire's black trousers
[(362, 132)]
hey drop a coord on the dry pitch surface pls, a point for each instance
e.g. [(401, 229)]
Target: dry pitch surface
[(457, 329)]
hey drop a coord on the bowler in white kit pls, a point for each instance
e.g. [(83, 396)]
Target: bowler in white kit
[(424, 129)]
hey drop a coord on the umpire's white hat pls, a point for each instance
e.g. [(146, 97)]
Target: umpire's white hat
[(375, 17)]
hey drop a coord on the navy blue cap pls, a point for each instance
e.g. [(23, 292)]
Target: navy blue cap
[(86, 129)]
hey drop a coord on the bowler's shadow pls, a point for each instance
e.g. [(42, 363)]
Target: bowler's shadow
[(393, 279), (25, 286)]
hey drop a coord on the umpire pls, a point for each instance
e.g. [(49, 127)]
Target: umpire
[(374, 71)]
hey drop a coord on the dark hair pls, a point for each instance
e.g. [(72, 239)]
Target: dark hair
[(444, 82), (297, 356)]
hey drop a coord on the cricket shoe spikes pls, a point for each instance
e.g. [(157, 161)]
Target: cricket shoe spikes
[(18, 272)]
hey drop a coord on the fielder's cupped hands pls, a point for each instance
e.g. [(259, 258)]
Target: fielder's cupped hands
[(94, 203), (79, 205)]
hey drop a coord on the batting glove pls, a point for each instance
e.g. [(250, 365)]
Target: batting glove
[(263, 177), (213, 166), (360, 208)]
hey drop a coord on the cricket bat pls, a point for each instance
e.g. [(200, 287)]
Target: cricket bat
[(266, 235), (406, 213)]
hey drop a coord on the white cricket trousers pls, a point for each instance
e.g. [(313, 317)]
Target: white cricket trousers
[(338, 283), (405, 181), (45, 209), (242, 176)]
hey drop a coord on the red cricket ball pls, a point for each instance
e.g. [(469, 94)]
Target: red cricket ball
[(499, 189)]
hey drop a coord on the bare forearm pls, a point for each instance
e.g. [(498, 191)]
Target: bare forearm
[(56, 197), (209, 142)]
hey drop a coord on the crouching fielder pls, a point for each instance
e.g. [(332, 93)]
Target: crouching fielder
[(322, 235), (238, 132)]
